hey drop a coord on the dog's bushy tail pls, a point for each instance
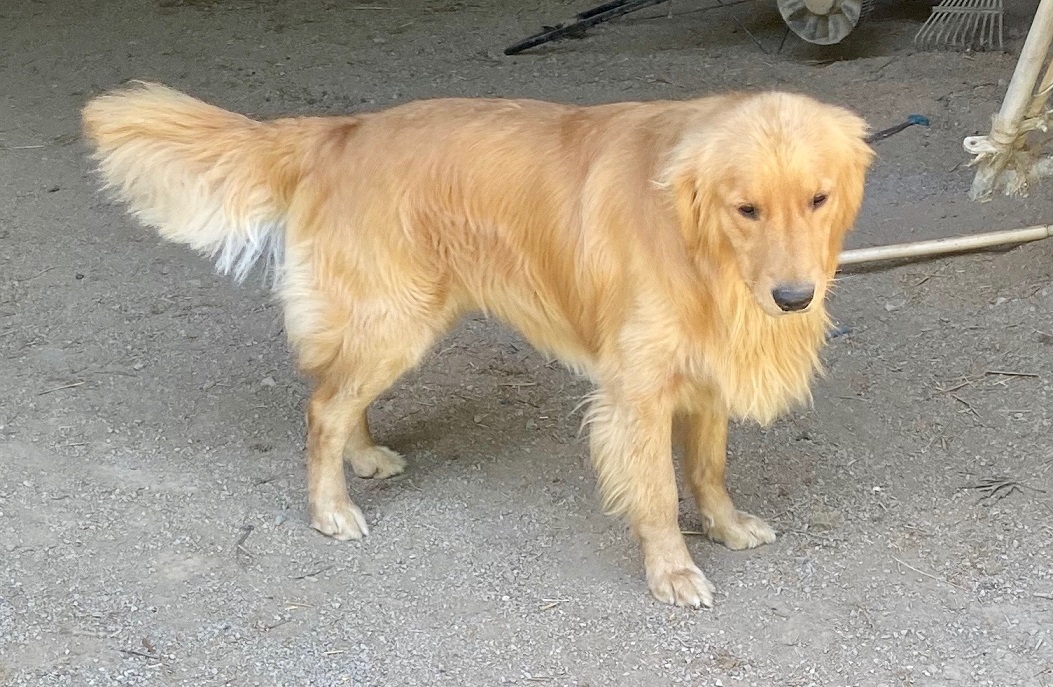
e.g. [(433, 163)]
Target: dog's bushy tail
[(214, 180)]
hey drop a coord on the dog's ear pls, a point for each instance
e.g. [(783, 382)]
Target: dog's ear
[(694, 199), (690, 191), (849, 156), (854, 130), (688, 202), (853, 157)]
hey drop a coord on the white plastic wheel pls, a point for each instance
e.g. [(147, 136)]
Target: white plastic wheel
[(823, 22)]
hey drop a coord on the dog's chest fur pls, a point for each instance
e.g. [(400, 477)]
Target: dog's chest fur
[(764, 365)]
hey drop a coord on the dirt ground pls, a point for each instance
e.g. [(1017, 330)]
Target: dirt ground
[(152, 494)]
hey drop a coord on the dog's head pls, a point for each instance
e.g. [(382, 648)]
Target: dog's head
[(777, 180)]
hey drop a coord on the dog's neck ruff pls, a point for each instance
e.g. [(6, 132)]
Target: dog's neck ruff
[(767, 363)]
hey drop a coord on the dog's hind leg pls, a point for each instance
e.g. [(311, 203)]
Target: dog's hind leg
[(330, 417), (703, 434), (360, 363), (632, 451), (366, 458)]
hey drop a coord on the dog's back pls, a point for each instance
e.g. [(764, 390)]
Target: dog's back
[(521, 208)]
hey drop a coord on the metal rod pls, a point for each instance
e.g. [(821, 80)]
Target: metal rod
[(956, 244)]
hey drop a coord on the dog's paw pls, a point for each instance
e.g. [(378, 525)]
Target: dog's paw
[(377, 462), (685, 586), (341, 521), (741, 531)]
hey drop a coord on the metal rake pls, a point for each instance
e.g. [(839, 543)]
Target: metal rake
[(963, 24)]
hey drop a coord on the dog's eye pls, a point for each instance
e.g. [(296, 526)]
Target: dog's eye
[(748, 211), (818, 199)]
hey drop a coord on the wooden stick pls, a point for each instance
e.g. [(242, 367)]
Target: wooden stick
[(956, 244), (929, 575), (60, 388)]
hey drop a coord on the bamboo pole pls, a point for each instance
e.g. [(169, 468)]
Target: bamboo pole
[(1022, 85), (955, 244), (1005, 126), (1041, 96)]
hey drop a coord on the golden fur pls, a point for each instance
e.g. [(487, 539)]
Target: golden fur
[(639, 243)]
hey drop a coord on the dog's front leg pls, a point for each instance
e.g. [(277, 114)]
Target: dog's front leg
[(631, 449), (703, 435)]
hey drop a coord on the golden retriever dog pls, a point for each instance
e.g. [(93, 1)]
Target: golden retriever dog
[(677, 253)]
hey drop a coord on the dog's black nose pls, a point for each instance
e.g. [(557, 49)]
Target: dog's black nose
[(793, 297)]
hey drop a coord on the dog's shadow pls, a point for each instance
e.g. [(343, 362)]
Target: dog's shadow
[(461, 434)]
